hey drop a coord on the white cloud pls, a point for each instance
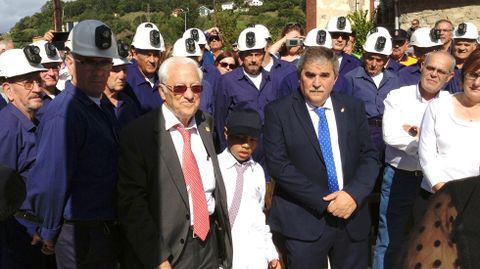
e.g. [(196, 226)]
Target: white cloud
[(12, 11)]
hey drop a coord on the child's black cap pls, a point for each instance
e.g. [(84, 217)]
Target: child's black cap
[(244, 121)]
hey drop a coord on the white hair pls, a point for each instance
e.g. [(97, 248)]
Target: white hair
[(180, 60)]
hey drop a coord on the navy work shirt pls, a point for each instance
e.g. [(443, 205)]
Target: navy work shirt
[(125, 111), (46, 99), (3, 103), (455, 84), (75, 174), (360, 85), (140, 90), (410, 75)]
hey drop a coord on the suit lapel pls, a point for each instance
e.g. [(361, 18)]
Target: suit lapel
[(340, 119), (305, 121), (168, 155)]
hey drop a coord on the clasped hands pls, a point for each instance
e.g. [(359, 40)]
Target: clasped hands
[(341, 204)]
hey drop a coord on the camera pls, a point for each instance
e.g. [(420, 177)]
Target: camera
[(293, 42)]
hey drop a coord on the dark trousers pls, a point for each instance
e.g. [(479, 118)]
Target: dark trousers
[(334, 243), (421, 204), (403, 192), (16, 251), (88, 245), (199, 254)]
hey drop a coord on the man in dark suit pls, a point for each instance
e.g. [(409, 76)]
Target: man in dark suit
[(320, 154), (172, 204)]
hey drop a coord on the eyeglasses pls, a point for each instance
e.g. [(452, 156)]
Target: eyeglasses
[(91, 64), (431, 69), (472, 76), (181, 89), (231, 66), (344, 36), (29, 84)]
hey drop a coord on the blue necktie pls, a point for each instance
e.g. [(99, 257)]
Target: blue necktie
[(326, 147)]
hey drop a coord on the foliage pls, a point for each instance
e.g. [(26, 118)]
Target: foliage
[(361, 23), (123, 16)]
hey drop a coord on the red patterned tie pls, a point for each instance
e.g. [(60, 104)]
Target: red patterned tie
[(201, 222)]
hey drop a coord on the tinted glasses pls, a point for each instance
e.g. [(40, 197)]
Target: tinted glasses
[(224, 65), (181, 89)]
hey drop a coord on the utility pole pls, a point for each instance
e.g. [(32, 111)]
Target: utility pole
[(57, 15)]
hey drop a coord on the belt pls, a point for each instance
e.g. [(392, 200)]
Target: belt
[(91, 223), (416, 173), (377, 122), (211, 218)]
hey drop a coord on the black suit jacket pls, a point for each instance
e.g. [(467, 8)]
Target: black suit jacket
[(153, 200), (295, 162)]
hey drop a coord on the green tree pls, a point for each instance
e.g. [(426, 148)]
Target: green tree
[(361, 23)]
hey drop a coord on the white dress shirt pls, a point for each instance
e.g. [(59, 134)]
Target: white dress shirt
[(332, 128), (251, 238), (403, 106), (204, 161), (449, 147)]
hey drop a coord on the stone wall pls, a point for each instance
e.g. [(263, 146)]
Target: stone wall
[(329, 8), (429, 16)]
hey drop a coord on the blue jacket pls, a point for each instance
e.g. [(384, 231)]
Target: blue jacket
[(393, 66), (75, 173), (139, 89), (360, 85), (210, 83), (348, 63), (295, 161), (410, 75)]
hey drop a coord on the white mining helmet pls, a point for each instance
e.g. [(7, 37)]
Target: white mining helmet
[(318, 37), (48, 52), (379, 29), (17, 62), (92, 38), (425, 38), (466, 30), (186, 47), (196, 34), (122, 58), (251, 39), (263, 30), (147, 37), (339, 24), (378, 43)]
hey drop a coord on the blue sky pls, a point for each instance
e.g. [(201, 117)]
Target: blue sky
[(11, 11)]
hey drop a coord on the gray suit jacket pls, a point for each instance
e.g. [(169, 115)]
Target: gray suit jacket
[(152, 197)]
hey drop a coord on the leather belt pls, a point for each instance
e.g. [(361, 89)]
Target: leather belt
[(377, 122), (416, 173)]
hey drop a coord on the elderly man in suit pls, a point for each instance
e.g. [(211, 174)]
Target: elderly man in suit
[(320, 154), (172, 202)]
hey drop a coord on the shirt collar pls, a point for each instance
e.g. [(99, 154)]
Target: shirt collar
[(230, 161), (171, 120), (421, 99), (26, 124), (327, 105)]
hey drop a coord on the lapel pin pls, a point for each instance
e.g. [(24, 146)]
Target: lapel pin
[(207, 128), (342, 110)]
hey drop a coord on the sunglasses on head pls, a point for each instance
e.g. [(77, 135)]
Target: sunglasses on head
[(181, 89), (224, 65)]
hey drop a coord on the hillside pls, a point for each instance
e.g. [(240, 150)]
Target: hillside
[(124, 15)]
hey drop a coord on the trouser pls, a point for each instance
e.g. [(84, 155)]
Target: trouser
[(399, 191), (88, 245), (199, 254)]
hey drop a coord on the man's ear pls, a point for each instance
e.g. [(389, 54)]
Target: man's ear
[(161, 89), (7, 89)]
